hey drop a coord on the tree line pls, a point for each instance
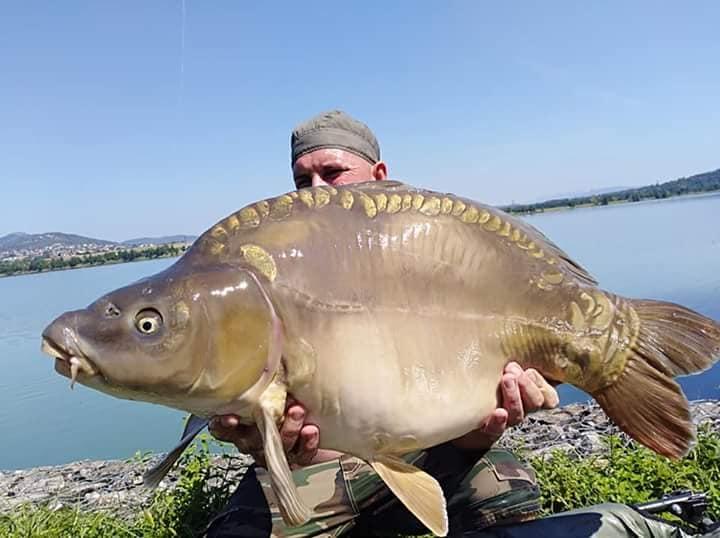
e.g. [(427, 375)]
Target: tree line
[(38, 264), (707, 182)]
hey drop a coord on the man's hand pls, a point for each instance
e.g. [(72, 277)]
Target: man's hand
[(522, 392), (300, 440)]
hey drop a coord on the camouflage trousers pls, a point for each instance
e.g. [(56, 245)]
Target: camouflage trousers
[(610, 520), (494, 496), (349, 499)]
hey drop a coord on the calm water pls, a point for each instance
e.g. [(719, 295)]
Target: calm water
[(666, 250)]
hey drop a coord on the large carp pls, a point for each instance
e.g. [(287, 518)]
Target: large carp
[(390, 313)]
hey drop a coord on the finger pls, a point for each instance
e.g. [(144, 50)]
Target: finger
[(532, 397), (513, 368), (511, 400), (223, 425), (218, 430), (225, 435), (308, 444), (227, 428), (496, 424), (550, 395), (290, 429), (229, 421)]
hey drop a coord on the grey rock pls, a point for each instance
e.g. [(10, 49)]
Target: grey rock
[(109, 485), (578, 428)]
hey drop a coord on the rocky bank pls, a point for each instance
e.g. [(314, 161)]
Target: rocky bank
[(117, 485)]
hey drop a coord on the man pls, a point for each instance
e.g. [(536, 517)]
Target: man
[(485, 487)]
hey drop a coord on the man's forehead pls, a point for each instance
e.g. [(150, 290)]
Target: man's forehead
[(325, 157)]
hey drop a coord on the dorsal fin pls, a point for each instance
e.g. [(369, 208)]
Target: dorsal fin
[(546, 244)]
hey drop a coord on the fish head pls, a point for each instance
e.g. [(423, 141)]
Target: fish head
[(195, 340)]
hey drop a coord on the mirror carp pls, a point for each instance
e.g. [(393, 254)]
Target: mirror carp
[(390, 312)]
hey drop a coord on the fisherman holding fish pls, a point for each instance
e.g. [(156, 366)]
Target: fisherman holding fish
[(485, 486)]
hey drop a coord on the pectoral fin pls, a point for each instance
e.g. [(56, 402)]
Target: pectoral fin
[(292, 509), (154, 475), (416, 489)]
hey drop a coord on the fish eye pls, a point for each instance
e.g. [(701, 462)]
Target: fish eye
[(148, 321)]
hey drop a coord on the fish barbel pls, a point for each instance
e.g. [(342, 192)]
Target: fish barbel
[(389, 312)]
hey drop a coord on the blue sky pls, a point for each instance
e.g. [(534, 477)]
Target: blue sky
[(124, 119)]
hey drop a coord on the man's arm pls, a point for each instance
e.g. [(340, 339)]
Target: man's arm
[(522, 392)]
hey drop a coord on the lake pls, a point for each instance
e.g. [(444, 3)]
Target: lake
[(666, 250)]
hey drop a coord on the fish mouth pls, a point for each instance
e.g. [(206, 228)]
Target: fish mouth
[(69, 364)]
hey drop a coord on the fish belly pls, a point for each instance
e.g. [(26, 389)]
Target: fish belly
[(393, 382)]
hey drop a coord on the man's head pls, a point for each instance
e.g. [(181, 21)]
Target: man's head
[(333, 148)]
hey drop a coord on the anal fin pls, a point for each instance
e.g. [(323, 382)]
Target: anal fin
[(416, 489)]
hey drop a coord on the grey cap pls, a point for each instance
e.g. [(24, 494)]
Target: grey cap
[(334, 129)]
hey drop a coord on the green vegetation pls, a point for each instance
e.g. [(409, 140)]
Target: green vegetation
[(628, 474), (701, 183), (625, 473), (40, 264), (202, 490)]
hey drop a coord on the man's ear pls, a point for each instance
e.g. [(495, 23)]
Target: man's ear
[(379, 171)]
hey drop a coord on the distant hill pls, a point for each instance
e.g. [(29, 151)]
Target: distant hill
[(699, 183), (575, 194), (23, 241), (51, 241), (160, 240)]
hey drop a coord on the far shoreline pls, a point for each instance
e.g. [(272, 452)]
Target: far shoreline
[(86, 266), (615, 203)]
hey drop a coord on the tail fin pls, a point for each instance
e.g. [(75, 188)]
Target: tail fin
[(644, 401)]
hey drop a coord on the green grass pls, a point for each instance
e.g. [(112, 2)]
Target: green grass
[(626, 474), (202, 490)]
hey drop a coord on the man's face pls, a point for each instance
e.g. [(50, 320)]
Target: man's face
[(334, 167)]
